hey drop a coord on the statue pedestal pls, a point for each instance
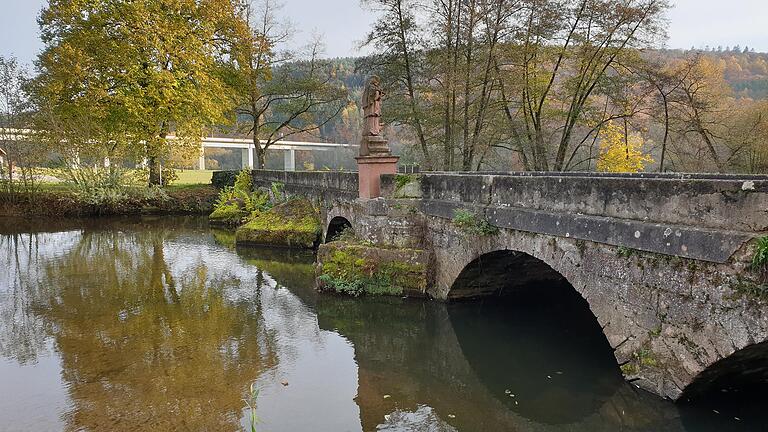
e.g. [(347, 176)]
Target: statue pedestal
[(369, 170)]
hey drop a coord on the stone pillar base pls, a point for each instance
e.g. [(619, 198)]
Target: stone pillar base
[(370, 168)]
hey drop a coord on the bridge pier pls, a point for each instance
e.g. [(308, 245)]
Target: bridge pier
[(289, 158), (247, 157)]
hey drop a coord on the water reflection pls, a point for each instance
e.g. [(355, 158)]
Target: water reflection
[(162, 324)]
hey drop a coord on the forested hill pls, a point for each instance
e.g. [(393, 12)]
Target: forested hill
[(745, 71)]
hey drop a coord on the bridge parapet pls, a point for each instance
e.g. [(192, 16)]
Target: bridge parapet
[(691, 216)]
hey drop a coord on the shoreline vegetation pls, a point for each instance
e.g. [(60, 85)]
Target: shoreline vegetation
[(113, 196), (65, 202)]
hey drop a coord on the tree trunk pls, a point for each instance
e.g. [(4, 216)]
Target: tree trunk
[(154, 171), (666, 132), (261, 156)]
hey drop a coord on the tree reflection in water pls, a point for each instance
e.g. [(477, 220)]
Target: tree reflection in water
[(144, 344)]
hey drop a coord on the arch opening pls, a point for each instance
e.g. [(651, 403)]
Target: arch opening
[(336, 228), (501, 273), (531, 334), (736, 388)]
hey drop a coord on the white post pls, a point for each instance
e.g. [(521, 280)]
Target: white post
[(290, 160), (250, 150), (201, 162)]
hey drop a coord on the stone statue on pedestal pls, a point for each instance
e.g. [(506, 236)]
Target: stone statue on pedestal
[(372, 143)]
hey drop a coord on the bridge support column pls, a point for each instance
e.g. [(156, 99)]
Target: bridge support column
[(369, 171), (290, 160), (247, 158), (201, 161)]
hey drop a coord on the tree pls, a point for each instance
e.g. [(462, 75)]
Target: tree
[(620, 150), (399, 61), (699, 104), (142, 70), (18, 154), (523, 76), (568, 54), (280, 99)]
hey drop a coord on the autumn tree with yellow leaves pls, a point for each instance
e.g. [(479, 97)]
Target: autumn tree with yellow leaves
[(620, 150), (138, 72)]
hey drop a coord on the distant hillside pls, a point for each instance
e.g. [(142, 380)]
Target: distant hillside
[(745, 71)]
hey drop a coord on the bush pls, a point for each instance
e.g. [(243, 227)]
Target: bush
[(236, 202)]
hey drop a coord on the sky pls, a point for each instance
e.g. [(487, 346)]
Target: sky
[(344, 23)]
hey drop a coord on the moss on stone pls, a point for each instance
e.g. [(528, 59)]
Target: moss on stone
[(293, 224), (228, 213), (358, 269)]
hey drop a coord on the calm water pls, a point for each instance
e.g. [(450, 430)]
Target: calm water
[(161, 324)]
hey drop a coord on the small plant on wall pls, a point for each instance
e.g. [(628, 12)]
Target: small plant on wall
[(473, 224), (760, 258)]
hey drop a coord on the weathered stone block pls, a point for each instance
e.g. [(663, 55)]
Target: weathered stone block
[(358, 269), (293, 224)]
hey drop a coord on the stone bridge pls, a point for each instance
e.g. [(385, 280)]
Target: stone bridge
[(662, 261)]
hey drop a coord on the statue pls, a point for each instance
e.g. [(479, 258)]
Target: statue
[(372, 107), (373, 142)]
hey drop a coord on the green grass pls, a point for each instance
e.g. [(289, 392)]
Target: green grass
[(189, 177)]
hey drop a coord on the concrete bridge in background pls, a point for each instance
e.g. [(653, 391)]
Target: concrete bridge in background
[(245, 145), (662, 261)]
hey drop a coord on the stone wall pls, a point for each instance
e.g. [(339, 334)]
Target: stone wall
[(318, 185)]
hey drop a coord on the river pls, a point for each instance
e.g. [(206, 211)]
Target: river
[(161, 324)]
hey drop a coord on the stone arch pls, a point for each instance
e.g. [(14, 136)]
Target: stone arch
[(746, 370), (489, 274), (579, 350), (336, 226)]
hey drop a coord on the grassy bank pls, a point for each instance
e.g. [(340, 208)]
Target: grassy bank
[(65, 200)]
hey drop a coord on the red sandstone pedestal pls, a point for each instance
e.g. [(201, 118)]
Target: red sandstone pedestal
[(370, 168)]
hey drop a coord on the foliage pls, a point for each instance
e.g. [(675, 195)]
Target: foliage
[(236, 202), (760, 257), (471, 223), (277, 191), (401, 180), (244, 181), (620, 151), (18, 158), (135, 72), (454, 75), (66, 199), (276, 100)]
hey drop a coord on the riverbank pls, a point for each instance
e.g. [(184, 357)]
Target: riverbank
[(66, 202)]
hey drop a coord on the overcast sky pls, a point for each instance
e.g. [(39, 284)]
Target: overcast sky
[(343, 23)]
